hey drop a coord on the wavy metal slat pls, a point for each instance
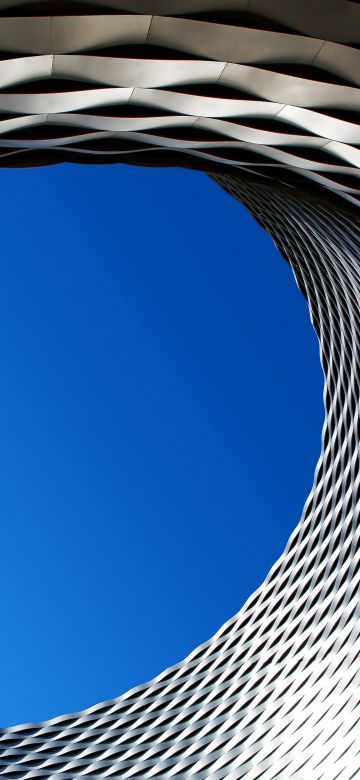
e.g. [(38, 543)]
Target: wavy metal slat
[(193, 61)]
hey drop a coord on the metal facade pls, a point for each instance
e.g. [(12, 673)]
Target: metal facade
[(264, 96)]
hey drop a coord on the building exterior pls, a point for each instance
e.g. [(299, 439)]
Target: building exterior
[(264, 96)]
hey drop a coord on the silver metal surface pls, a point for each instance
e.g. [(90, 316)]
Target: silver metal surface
[(263, 95)]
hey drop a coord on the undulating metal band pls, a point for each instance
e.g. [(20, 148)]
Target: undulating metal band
[(264, 95), (274, 694), (271, 86)]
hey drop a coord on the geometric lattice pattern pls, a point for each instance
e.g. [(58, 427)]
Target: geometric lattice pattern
[(274, 694), (263, 96), (267, 85)]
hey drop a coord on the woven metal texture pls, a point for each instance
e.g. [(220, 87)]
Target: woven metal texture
[(264, 96), (275, 692), (269, 86)]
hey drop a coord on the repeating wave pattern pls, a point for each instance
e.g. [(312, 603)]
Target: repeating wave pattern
[(275, 693), (272, 87)]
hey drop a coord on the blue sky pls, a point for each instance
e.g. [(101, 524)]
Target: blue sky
[(160, 421)]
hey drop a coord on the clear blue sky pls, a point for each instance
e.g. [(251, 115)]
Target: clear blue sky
[(160, 421)]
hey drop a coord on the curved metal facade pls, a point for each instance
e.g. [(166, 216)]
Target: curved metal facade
[(264, 96), (272, 87)]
